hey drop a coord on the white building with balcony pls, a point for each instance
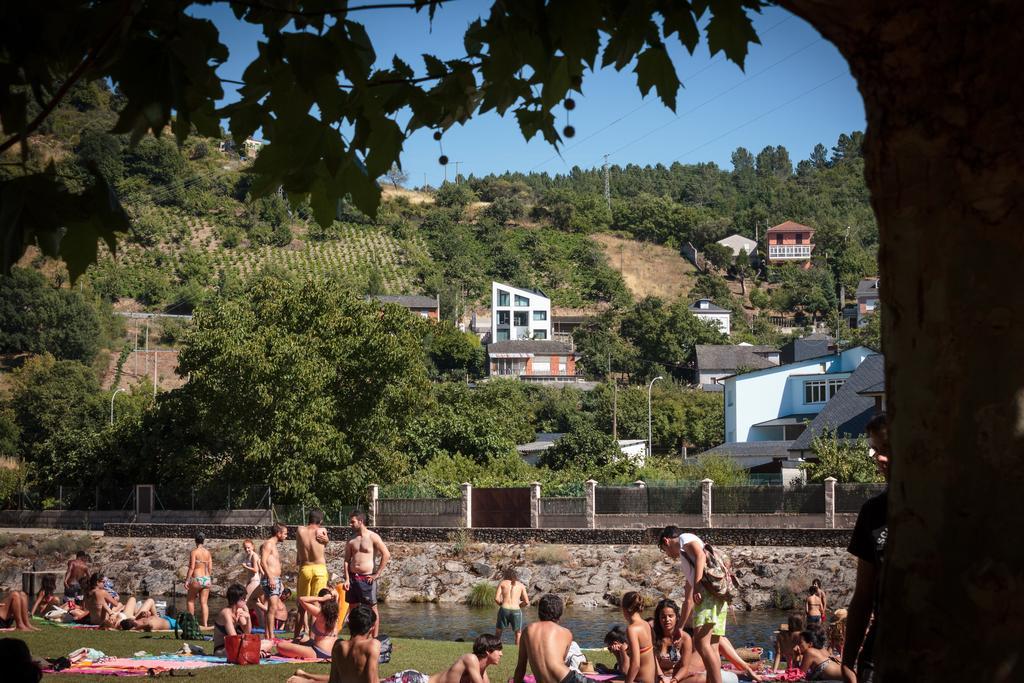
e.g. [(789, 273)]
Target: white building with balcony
[(519, 313)]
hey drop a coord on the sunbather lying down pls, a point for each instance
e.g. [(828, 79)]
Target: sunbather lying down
[(142, 617)]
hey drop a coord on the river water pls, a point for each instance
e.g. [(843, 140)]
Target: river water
[(455, 622), (459, 622)]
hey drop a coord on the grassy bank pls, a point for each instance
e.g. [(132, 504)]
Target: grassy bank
[(423, 655)]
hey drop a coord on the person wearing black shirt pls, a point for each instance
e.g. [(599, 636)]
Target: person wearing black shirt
[(868, 546)]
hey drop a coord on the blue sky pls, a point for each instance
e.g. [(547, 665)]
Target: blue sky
[(796, 91)]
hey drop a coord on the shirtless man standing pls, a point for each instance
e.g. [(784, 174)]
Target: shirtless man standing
[(510, 597), (544, 646), (312, 567), (360, 578), (78, 569), (271, 582)]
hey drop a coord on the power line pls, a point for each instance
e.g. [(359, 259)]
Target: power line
[(725, 92), (685, 79), (762, 115)]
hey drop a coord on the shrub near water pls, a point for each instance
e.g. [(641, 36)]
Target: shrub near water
[(482, 594)]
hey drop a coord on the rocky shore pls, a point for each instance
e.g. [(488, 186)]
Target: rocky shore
[(446, 572)]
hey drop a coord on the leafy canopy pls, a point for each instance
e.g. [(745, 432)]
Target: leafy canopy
[(314, 88)]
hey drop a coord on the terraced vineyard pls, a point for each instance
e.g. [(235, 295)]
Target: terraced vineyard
[(357, 251)]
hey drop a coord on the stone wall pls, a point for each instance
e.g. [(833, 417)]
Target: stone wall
[(780, 537), (445, 570)]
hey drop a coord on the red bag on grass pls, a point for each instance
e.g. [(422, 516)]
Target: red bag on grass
[(243, 648)]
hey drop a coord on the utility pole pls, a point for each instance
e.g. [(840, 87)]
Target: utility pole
[(146, 357), (155, 356), (136, 349), (615, 400), (607, 186)]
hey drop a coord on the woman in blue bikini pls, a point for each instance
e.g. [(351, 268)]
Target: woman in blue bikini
[(200, 576)]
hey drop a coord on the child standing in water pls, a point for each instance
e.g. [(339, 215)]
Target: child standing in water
[(251, 563)]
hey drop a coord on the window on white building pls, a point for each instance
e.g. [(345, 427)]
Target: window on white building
[(540, 334), (503, 317), (814, 391), (521, 318), (503, 335), (522, 301), (502, 298), (540, 315)]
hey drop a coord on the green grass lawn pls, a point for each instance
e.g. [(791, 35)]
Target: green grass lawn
[(428, 656)]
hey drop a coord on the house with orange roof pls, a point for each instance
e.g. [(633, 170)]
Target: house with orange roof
[(790, 242)]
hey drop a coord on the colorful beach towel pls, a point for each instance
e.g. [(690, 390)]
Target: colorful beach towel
[(141, 666)]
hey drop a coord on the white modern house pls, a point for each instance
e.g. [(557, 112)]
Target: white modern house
[(775, 404), (519, 313), (705, 309)]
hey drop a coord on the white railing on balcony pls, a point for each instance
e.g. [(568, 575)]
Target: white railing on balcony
[(789, 251)]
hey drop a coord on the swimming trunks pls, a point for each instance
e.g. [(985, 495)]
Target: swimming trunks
[(7, 623), (575, 677), (172, 622), (312, 579), (509, 618), (361, 591), (816, 619), (272, 590), (645, 650), (407, 676), (320, 654), (711, 610), (202, 581)]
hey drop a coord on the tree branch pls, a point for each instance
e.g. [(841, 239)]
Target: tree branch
[(340, 10), (71, 80)]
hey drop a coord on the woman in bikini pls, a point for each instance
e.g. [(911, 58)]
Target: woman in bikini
[(47, 598), (323, 609), (814, 607), (642, 666), (816, 583), (200, 576), (14, 613), (252, 563), (672, 645), (231, 620), (817, 663)]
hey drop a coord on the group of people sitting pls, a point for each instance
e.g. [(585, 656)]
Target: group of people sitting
[(812, 645), (661, 648)]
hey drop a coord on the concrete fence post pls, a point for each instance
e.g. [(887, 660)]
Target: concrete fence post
[(467, 505), (372, 495), (705, 501), (535, 505), (830, 503), (590, 504)]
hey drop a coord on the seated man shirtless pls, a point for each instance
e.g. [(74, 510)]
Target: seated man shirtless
[(544, 645), (353, 660), (469, 668)]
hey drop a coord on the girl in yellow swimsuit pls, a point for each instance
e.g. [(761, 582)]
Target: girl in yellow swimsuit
[(640, 641)]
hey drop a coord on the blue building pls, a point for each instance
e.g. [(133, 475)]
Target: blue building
[(775, 404)]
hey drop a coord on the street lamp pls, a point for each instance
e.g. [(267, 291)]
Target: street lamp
[(650, 441), (116, 392)]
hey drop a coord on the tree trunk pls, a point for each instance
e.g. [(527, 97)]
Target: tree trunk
[(944, 92)]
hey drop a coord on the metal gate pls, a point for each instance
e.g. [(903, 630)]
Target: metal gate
[(501, 508)]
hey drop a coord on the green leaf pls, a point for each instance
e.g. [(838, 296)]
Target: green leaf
[(655, 68), (532, 121), (435, 67), (384, 144), (556, 84), (731, 29), (679, 19)]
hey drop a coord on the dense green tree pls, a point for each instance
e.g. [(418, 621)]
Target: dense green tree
[(583, 449), (454, 196), (54, 402), (665, 335), (848, 460), (719, 255), (452, 352), (38, 318), (321, 385), (103, 152)]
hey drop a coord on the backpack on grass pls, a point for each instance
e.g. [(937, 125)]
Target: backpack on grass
[(187, 627)]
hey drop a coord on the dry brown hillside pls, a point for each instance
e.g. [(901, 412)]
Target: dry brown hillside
[(648, 269)]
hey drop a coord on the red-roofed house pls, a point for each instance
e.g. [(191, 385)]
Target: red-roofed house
[(790, 241)]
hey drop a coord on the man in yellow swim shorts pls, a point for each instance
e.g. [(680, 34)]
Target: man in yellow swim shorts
[(310, 542)]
